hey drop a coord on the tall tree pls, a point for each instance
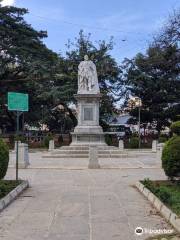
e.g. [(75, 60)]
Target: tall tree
[(155, 76), (26, 64)]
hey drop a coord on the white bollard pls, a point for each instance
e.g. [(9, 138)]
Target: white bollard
[(23, 155), (15, 145), (154, 146), (51, 145), (93, 158), (159, 154), (121, 145)]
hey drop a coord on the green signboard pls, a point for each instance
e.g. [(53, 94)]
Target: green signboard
[(18, 102)]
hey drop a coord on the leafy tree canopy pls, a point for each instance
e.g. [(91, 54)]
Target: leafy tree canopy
[(26, 64), (155, 76)]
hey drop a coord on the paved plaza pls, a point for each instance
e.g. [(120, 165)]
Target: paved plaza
[(145, 159), (76, 203)]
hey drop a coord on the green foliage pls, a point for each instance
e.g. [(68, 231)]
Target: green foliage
[(134, 142), (26, 63), (175, 127), (108, 139), (164, 194), (4, 159), (162, 138), (11, 140), (47, 139), (148, 184), (135, 134), (7, 186), (20, 138), (154, 77), (58, 121), (160, 191), (107, 69), (29, 66), (171, 157), (167, 192)]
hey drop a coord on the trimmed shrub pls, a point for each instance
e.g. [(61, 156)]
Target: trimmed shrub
[(135, 134), (171, 157), (149, 184), (4, 159), (175, 128), (20, 138), (163, 138), (108, 140), (134, 142), (47, 140)]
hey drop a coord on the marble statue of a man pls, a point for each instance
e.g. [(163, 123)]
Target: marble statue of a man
[(87, 77)]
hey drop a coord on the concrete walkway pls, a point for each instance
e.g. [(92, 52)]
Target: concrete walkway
[(80, 205), (136, 160)]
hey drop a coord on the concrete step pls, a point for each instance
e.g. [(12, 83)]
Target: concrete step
[(85, 152), (80, 155), (112, 156), (110, 152), (107, 155), (67, 152), (66, 156), (86, 148)]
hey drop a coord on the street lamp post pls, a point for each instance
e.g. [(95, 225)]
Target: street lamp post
[(42, 115), (138, 104), (139, 126)]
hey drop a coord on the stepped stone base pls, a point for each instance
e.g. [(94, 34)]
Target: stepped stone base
[(88, 139), (77, 151), (88, 132)]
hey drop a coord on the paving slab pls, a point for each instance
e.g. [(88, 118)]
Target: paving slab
[(62, 204)]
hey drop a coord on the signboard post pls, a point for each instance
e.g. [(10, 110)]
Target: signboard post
[(18, 102)]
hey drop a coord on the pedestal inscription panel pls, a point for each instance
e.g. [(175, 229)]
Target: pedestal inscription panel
[(88, 114)]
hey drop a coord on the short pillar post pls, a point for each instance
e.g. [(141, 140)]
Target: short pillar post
[(23, 155), (15, 145), (51, 145), (93, 158), (159, 154), (154, 146), (121, 145)]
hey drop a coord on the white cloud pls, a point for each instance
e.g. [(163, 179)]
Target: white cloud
[(7, 2)]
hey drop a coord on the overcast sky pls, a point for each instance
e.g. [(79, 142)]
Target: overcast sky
[(131, 22)]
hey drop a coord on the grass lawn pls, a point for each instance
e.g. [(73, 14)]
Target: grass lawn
[(168, 192), (7, 186)]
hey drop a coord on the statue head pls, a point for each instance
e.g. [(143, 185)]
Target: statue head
[(86, 58)]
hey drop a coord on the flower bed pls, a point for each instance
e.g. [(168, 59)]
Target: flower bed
[(168, 192), (10, 190), (6, 186)]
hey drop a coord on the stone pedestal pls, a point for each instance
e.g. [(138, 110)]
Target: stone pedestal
[(121, 145), (88, 131), (154, 146), (51, 145), (93, 158)]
